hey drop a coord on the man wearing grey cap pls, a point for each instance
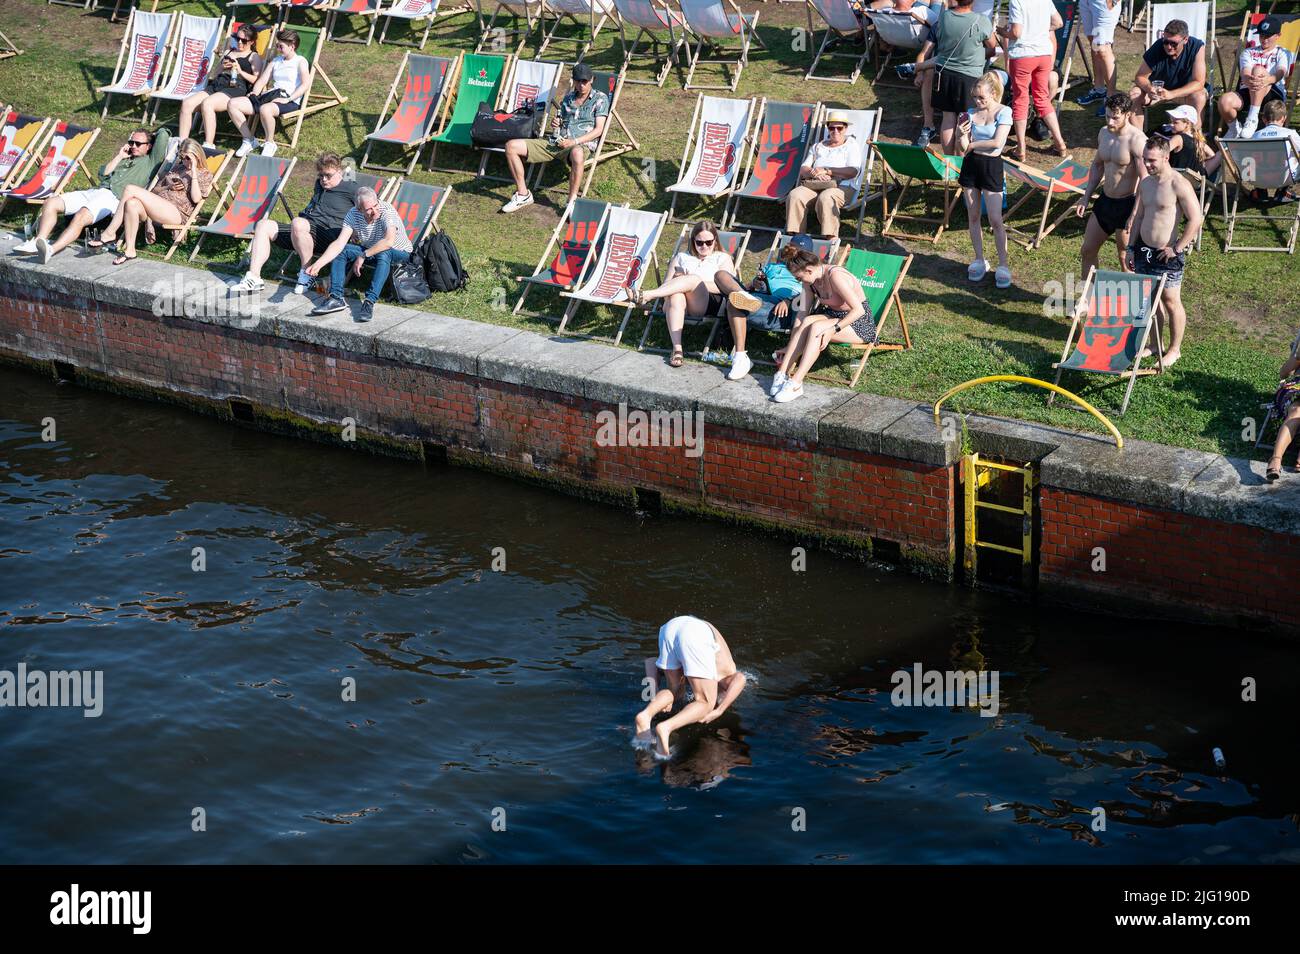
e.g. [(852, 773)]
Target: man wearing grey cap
[(575, 131), (1264, 68), (828, 179)]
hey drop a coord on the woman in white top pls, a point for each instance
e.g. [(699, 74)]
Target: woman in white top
[(278, 91), (981, 137), (1030, 35), (699, 281)]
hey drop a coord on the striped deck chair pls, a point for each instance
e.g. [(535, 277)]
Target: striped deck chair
[(219, 160), (528, 81), (496, 37), (380, 184), (734, 244), (881, 276), (7, 48), (843, 28), (1116, 313), (624, 254), (714, 23), (251, 190), (311, 40), (716, 145), (65, 152), (1067, 178), (589, 16), (1264, 164), (479, 81), (571, 243), (349, 10), (783, 132), (651, 18), (1067, 41), (194, 54), (139, 61), (410, 126), (20, 141), (904, 165), (895, 32)]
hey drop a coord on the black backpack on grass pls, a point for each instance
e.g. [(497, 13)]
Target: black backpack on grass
[(442, 268)]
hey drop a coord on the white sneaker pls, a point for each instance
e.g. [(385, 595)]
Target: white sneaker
[(44, 251), (302, 283), (778, 382), (977, 269), (269, 148), (245, 147), (249, 283), (789, 391), (1233, 131), (1248, 127), (517, 202), (1002, 277), (740, 365), (26, 248)]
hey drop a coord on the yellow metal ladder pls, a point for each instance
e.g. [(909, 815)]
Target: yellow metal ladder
[(977, 473)]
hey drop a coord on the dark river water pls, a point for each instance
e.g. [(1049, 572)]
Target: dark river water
[(487, 696)]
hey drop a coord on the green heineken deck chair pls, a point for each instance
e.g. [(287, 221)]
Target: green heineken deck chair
[(881, 276), (1116, 313), (904, 165), (478, 81), (1067, 178)]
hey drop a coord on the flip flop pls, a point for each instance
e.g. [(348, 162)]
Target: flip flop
[(99, 243), (123, 259)]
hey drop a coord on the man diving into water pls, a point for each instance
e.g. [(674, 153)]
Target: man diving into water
[(693, 649)]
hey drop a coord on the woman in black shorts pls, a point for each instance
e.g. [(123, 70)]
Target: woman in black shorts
[(841, 314), (981, 137)]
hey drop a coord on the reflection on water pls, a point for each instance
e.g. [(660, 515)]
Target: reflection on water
[(484, 695)]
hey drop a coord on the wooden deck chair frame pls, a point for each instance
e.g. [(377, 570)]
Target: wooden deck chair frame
[(1064, 64), (888, 217), (494, 39), (730, 60), (665, 17), (731, 210), (219, 161), (7, 48), (346, 9), (864, 195), (143, 97), (388, 185), (276, 195), (1205, 193), (323, 7), (78, 163), (449, 103), (389, 16), (528, 282), (583, 41), (1072, 193), (836, 35), (1077, 324), (741, 246), (503, 104), (608, 146), (576, 302), (884, 58), (31, 151), (273, 20), (892, 303), (1235, 177), (173, 61), (416, 146), (315, 74), (693, 139)]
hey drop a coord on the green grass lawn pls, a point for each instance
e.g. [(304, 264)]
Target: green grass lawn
[(1241, 306)]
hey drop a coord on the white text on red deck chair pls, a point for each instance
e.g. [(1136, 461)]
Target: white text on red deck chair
[(735, 244), (194, 54), (1265, 165), (588, 16), (571, 241), (651, 18), (1115, 314), (255, 184), (716, 146), (783, 133), (524, 16), (528, 82), (843, 29), (625, 251), (714, 23), (64, 153), (139, 61), (410, 127), (20, 140)]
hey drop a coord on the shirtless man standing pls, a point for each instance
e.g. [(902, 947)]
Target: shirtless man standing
[(694, 648), (1157, 248), (1118, 167)]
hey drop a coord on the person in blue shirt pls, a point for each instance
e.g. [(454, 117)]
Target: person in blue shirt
[(981, 137)]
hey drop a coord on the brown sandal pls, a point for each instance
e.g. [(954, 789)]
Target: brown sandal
[(676, 359)]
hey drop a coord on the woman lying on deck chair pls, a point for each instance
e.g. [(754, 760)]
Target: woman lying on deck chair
[(698, 284)]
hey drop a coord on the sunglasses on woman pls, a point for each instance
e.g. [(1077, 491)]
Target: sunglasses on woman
[(704, 241)]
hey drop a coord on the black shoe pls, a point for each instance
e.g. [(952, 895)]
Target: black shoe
[(330, 306), (367, 311)]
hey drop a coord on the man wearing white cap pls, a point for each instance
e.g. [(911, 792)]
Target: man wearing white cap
[(829, 177), (1264, 68)]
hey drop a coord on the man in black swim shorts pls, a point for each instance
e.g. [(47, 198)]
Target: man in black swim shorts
[(1117, 169)]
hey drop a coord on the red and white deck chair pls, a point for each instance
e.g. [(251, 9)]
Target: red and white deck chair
[(734, 244), (348, 10), (410, 127), (715, 23), (64, 153), (716, 147), (528, 81), (651, 18), (252, 190), (193, 55), (624, 254), (589, 16), (139, 61), (413, 11), (895, 33), (20, 141), (418, 206), (782, 134), (495, 38), (843, 28), (571, 243)]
